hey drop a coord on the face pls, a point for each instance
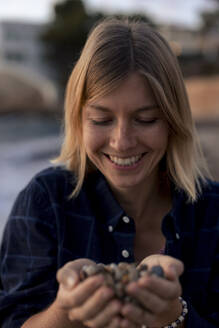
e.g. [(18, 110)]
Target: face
[(125, 134)]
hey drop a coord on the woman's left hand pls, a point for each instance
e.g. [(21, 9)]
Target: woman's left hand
[(159, 298)]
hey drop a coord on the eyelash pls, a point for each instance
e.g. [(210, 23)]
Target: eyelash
[(106, 122), (152, 121)]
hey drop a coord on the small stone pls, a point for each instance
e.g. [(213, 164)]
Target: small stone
[(142, 270), (89, 270), (123, 265), (133, 274), (125, 278), (109, 281), (143, 267), (112, 266), (157, 270), (119, 290), (119, 276), (117, 273), (100, 267)]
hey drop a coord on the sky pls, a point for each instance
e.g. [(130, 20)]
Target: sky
[(183, 12)]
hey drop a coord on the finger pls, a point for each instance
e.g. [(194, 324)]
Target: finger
[(136, 315), (174, 270), (93, 305), (163, 288), (168, 263), (114, 323), (148, 300), (128, 323), (77, 296), (68, 275), (104, 317)]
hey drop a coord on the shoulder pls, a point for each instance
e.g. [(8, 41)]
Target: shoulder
[(38, 202), (53, 173), (60, 179), (53, 179), (210, 191), (207, 205), (204, 212), (56, 184), (51, 185)]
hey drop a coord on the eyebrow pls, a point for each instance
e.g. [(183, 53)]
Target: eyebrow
[(140, 109)]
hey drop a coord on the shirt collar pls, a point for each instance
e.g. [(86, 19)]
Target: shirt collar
[(179, 200), (107, 202), (113, 211)]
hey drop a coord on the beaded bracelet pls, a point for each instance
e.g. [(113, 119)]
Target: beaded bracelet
[(181, 317)]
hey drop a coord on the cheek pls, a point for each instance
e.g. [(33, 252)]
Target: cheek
[(159, 138), (93, 140)]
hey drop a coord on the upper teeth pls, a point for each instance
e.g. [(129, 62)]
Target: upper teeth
[(125, 161)]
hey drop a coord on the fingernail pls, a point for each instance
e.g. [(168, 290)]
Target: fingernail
[(99, 280), (132, 287), (173, 269), (70, 282)]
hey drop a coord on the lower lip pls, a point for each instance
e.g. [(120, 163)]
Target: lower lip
[(125, 167)]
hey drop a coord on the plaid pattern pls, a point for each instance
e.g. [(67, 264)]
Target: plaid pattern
[(45, 230)]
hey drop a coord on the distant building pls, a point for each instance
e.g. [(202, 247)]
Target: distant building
[(23, 67), (211, 42), (183, 40), (197, 50), (191, 42), (20, 44)]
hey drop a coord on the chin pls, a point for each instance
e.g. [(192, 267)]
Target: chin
[(123, 184)]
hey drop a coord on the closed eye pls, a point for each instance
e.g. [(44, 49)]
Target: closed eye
[(101, 122), (146, 121)]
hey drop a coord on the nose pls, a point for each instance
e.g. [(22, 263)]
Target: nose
[(123, 137)]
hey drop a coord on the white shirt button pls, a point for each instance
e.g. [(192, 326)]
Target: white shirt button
[(177, 236), (126, 219), (110, 228), (125, 253)]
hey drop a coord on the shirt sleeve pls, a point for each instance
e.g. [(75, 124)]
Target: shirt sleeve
[(195, 320), (208, 317), (28, 257)]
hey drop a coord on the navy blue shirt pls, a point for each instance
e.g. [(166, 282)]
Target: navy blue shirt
[(46, 229)]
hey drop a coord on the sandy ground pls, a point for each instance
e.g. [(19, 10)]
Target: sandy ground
[(204, 99)]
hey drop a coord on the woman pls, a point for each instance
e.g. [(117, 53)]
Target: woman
[(132, 188)]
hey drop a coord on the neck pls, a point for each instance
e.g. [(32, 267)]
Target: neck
[(142, 203)]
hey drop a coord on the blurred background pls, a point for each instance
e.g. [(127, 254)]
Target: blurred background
[(39, 43)]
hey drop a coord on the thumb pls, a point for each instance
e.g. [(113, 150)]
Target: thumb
[(174, 269), (69, 274), (171, 266), (67, 277)]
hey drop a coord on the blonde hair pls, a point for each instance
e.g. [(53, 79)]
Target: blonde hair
[(114, 48)]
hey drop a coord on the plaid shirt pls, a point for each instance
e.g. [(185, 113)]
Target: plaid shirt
[(46, 229)]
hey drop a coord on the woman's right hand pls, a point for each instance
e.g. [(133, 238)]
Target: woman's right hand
[(88, 302)]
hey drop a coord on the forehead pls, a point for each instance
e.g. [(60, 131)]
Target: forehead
[(133, 92)]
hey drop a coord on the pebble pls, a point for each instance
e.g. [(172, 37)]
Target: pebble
[(157, 270), (118, 276)]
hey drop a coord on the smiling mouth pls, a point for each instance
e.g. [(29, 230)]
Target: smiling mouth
[(128, 161)]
